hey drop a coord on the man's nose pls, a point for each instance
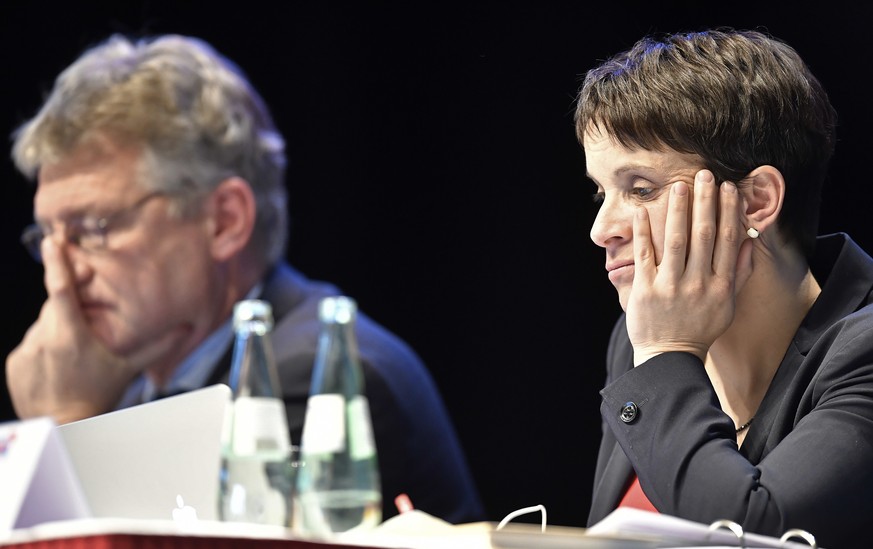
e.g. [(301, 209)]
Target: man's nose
[(76, 259), (80, 266)]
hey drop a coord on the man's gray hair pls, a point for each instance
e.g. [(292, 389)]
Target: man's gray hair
[(198, 118)]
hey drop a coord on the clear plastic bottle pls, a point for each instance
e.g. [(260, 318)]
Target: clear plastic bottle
[(256, 467), (338, 487)]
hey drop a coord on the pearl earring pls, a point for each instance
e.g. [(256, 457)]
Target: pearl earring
[(753, 232)]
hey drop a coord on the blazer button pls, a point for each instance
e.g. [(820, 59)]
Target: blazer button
[(629, 412)]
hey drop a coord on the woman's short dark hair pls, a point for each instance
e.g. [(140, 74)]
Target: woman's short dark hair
[(738, 99)]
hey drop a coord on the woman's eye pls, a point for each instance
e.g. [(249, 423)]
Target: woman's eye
[(642, 192)]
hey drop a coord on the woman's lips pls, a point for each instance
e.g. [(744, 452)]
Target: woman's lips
[(621, 273)]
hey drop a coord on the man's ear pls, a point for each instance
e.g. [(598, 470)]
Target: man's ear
[(231, 210), (764, 193)]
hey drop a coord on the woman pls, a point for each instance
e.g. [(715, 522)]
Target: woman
[(740, 379)]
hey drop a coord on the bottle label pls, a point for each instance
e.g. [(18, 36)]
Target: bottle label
[(324, 430), (360, 429), (260, 427)]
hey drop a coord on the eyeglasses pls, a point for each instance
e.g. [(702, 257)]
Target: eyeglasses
[(86, 233)]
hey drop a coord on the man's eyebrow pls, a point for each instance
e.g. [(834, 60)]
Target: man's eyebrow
[(75, 214)]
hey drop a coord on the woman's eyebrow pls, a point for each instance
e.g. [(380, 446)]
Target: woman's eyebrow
[(621, 170)]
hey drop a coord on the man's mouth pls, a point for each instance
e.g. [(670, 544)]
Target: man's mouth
[(93, 306)]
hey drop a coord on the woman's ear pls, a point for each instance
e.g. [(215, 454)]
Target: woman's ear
[(231, 209), (764, 193)]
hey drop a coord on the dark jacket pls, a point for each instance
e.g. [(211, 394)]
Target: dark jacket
[(807, 459)]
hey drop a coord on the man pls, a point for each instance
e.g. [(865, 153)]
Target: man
[(160, 203)]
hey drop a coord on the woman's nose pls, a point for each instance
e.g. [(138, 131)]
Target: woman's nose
[(613, 220)]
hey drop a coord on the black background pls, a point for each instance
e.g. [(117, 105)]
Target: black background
[(434, 175)]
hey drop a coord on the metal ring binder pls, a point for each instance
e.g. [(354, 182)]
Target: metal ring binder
[(733, 527), (788, 535), (798, 533)]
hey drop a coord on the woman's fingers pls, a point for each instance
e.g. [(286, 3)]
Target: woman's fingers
[(706, 242), (645, 268), (703, 225), (672, 265), (730, 234)]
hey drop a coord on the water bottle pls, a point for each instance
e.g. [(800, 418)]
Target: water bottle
[(256, 467), (338, 486)]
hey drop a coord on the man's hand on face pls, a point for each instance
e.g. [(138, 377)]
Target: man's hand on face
[(60, 369)]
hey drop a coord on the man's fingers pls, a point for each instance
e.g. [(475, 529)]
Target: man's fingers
[(57, 273), (58, 277)]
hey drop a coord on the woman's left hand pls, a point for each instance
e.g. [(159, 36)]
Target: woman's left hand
[(688, 300)]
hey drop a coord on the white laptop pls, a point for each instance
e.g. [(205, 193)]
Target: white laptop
[(146, 461)]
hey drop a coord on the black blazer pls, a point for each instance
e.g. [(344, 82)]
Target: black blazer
[(417, 449), (807, 459)]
